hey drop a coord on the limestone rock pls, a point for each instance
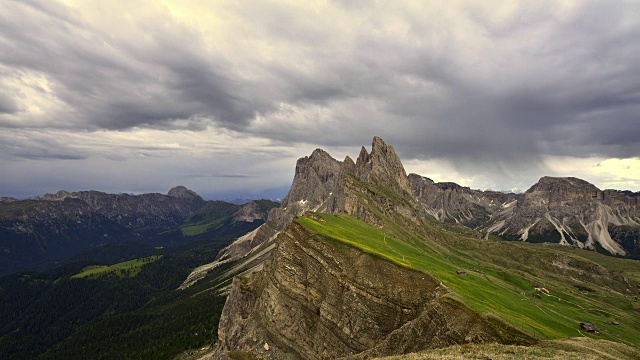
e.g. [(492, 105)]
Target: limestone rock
[(317, 300), (382, 167), (569, 211)]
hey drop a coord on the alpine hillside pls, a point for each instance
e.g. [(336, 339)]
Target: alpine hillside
[(362, 260)]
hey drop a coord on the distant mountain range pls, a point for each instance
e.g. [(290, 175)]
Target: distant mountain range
[(569, 211), (38, 232)]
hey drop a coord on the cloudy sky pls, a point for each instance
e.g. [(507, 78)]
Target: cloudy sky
[(224, 96)]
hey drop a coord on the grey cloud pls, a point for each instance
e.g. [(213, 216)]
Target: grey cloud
[(36, 147), (231, 176), (52, 156), (116, 83), (505, 119), (541, 84), (7, 105)]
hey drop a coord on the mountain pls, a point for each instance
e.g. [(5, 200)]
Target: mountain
[(37, 232), (363, 261), (321, 183), (568, 211)]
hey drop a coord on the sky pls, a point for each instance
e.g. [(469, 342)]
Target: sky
[(224, 96)]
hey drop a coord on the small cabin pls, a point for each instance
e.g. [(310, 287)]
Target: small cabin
[(589, 327), (462, 272)]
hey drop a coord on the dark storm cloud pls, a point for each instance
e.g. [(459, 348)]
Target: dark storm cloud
[(119, 82), (504, 84), (578, 100)]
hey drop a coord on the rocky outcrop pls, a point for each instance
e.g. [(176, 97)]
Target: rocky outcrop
[(382, 167), (182, 192), (318, 299), (315, 180), (322, 183), (250, 212)]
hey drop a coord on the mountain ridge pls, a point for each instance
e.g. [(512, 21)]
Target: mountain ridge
[(52, 227), (320, 181), (270, 315)]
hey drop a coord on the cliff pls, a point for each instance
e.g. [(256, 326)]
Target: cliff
[(320, 299)]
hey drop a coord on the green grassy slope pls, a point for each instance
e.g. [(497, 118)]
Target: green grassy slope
[(500, 276), (129, 268)]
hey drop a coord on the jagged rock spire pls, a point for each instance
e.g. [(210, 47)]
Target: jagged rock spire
[(315, 179), (382, 166)]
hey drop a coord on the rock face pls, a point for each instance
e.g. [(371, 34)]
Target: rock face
[(317, 300), (322, 183), (571, 211), (316, 178), (450, 202), (568, 211), (382, 167)]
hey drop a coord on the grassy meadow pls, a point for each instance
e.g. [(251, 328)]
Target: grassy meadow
[(500, 276), (129, 268)]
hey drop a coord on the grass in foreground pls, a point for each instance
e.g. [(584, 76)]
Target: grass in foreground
[(567, 349), (491, 289), (129, 268)]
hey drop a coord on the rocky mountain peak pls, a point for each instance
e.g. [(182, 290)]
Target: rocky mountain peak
[(363, 157), (319, 154), (348, 166), (547, 183), (59, 196), (563, 189), (315, 178), (182, 192), (382, 166), (379, 144)]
